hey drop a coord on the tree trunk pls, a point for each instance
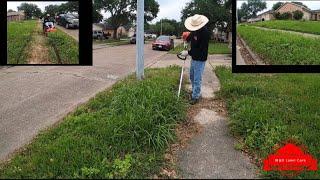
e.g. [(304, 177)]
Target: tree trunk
[(115, 33)]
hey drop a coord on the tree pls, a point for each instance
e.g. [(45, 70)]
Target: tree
[(277, 5), (30, 10), (297, 15), (96, 15), (124, 11), (69, 7), (52, 10), (169, 27), (251, 8), (241, 14), (215, 10), (10, 10)]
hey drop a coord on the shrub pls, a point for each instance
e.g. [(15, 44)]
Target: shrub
[(297, 15), (283, 16)]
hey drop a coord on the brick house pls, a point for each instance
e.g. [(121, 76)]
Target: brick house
[(291, 7), (315, 15), (15, 16), (122, 31), (266, 16), (308, 14)]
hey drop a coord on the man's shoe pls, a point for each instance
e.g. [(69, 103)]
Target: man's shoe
[(194, 101)]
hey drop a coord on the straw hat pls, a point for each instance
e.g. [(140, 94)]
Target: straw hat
[(196, 22)]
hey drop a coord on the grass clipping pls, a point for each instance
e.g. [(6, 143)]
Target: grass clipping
[(121, 133)]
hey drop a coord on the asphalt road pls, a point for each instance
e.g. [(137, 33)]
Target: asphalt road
[(34, 98)]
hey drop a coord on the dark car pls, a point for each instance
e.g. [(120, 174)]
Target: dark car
[(133, 39), (163, 43), (68, 21)]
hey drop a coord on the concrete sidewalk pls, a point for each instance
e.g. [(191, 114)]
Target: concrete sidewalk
[(210, 154)]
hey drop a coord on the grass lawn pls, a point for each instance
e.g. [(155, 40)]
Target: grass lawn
[(121, 133), (280, 48), (265, 110), (19, 35), (312, 27), (67, 46), (214, 48)]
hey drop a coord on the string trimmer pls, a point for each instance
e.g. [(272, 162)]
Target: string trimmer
[(184, 58)]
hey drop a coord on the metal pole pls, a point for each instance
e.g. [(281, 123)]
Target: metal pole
[(140, 40)]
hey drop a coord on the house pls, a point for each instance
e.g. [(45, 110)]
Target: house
[(266, 16), (291, 7), (126, 31), (315, 15), (96, 27), (122, 31), (15, 16), (308, 14)]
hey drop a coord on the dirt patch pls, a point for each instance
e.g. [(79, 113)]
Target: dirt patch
[(39, 52), (245, 53)]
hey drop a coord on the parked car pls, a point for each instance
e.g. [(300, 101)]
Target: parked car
[(97, 34), (133, 39), (68, 21), (163, 43)]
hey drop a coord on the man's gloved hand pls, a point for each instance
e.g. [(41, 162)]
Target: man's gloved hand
[(184, 53)]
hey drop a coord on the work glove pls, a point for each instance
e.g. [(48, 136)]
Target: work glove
[(184, 53)]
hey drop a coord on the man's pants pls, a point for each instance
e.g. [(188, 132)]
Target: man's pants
[(196, 71)]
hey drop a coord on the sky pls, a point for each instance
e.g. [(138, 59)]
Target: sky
[(170, 9), (41, 4), (312, 4)]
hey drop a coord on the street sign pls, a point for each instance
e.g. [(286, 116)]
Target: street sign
[(140, 40)]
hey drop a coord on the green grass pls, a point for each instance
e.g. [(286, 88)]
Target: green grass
[(121, 133), (214, 48), (19, 35), (67, 46), (280, 48), (267, 109), (312, 27)]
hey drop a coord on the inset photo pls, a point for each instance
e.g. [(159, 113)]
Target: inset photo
[(278, 32), (42, 32)]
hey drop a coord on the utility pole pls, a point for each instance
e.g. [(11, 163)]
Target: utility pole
[(140, 40)]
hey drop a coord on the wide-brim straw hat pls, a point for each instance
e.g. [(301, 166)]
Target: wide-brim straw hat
[(196, 22)]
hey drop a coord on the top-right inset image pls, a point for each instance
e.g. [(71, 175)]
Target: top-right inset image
[(278, 32)]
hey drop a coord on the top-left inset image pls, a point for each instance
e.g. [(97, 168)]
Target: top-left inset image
[(42, 32)]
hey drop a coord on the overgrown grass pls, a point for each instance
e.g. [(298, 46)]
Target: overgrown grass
[(312, 27), (67, 46), (267, 109), (280, 48), (121, 133), (214, 48), (19, 35)]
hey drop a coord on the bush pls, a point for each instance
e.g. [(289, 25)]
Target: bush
[(297, 15), (283, 16)]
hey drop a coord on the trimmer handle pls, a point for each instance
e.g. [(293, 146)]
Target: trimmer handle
[(181, 57)]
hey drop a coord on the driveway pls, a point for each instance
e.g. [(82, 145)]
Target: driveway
[(34, 98)]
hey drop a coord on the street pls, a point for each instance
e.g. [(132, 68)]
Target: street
[(33, 98)]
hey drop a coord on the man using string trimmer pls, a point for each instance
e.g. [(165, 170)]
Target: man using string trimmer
[(199, 39)]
